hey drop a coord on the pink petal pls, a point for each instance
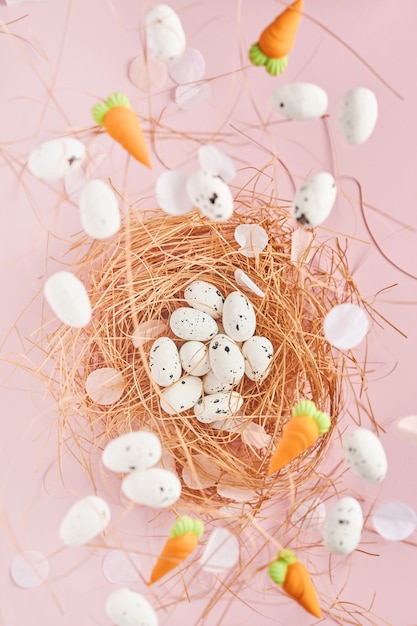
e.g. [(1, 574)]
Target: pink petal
[(310, 514), (345, 326), (243, 280), (254, 435), (192, 95), (202, 474), (252, 238), (148, 74), (105, 385), (147, 331), (212, 158), (394, 521), (29, 569), (300, 242), (229, 488), (221, 552), (74, 181), (188, 68), (171, 193), (120, 567), (407, 429)]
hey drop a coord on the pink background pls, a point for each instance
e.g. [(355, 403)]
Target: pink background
[(56, 62)]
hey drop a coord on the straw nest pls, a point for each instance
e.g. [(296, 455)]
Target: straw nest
[(140, 277)]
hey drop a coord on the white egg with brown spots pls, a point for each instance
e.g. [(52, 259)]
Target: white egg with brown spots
[(239, 318), (217, 406), (164, 362), (314, 200), (342, 528), (205, 297), (257, 352), (365, 454), (210, 194), (300, 101), (190, 324), (226, 360), (182, 395)]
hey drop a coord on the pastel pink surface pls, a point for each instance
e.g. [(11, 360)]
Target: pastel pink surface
[(51, 77)]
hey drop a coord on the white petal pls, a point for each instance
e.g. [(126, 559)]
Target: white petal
[(221, 552), (29, 569), (120, 567), (171, 193), (192, 95), (148, 331), (300, 242), (310, 514), (395, 521), (229, 488), (407, 429), (202, 474), (105, 385), (345, 326), (84, 520), (254, 435), (252, 238), (189, 67), (212, 158), (243, 280), (148, 74)]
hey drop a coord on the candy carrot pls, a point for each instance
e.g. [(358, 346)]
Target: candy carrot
[(295, 580), (181, 543), (304, 428), (277, 40), (122, 124)]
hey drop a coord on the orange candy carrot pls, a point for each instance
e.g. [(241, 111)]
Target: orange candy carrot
[(122, 124), (277, 40), (295, 580), (182, 542), (301, 432)]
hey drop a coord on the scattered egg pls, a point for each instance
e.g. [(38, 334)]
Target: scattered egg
[(210, 194), (156, 487), (365, 454), (300, 101), (68, 299), (165, 35), (84, 521), (358, 115), (53, 159), (99, 210), (128, 608), (314, 200), (164, 362), (136, 450), (342, 528)]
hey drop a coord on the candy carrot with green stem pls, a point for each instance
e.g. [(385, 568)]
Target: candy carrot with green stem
[(122, 124), (302, 431), (182, 542), (294, 578), (277, 40)]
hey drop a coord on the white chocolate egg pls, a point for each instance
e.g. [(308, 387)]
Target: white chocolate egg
[(239, 319), (84, 520), (210, 194), (137, 450), (191, 324), (365, 454), (205, 297), (182, 395), (165, 35), (68, 298), (314, 200), (99, 210), (157, 488), (358, 115), (164, 362), (342, 528), (217, 406), (194, 358), (211, 384), (55, 158), (300, 101), (128, 608), (258, 352), (226, 359)]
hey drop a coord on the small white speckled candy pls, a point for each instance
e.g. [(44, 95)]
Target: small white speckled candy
[(191, 324), (182, 395), (165, 35), (137, 450), (211, 384), (99, 210), (226, 359), (128, 608), (210, 194), (84, 520), (258, 352), (155, 487), (217, 406), (194, 358), (164, 362), (342, 528), (54, 159), (365, 454), (358, 114), (68, 298), (205, 297), (314, 200), (239, 319), (300, 101)]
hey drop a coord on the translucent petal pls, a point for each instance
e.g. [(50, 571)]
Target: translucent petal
[(300, 242), (229, 488), (202, 474), (105, 385), (120, 567), (345, 326), (29, 569), (243, 280), (254, 435), (407, 429), (148, 331), (394, 521), (95, 156), (171, 193), (212, 158), (74, 181), (192, 95), (252, 238), (147, 74), (188, 68), (229, 424), (221, 552), (310, 514)]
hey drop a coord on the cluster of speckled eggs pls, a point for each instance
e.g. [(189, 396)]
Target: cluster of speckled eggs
[(214, 357)]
